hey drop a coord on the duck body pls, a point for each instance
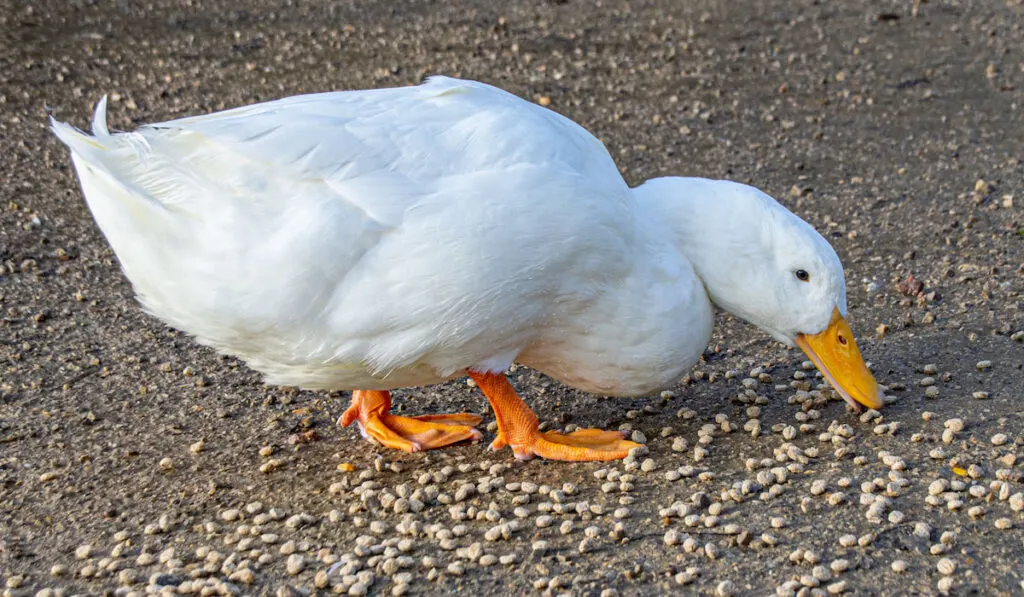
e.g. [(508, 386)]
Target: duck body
[(399, 237), (371, 240)]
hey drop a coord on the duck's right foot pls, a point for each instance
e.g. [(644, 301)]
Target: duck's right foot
[(518, 428), (370, 410)]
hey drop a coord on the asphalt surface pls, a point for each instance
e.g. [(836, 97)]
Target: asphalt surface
[(898, 136)]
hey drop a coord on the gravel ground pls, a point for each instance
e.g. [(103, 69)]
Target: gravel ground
[(133, 461)]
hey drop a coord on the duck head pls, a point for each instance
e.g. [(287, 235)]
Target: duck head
[(764, 264)]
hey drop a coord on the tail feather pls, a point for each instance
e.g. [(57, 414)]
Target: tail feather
[(79, 141), (99, 119)]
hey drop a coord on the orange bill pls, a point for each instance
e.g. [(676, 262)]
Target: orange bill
[(835, 354)]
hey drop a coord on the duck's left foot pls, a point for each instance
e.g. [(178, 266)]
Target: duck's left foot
[(518, 428), (370, 410)]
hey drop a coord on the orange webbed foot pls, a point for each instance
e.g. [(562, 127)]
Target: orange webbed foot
[(518, 428), (370, 410)]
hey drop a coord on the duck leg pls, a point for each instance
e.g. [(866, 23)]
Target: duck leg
[(370, 410), (517, 427)]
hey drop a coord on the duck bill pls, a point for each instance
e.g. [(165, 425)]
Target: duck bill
[(834, 352)]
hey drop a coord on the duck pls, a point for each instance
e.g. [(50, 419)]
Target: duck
[(372, 240)]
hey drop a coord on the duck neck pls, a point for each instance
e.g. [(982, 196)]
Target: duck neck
[(713, 222)]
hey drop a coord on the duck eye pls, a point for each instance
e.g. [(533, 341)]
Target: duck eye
[(802, 275), (842, 339)]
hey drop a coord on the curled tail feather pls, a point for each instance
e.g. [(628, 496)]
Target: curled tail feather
[(76, 139)]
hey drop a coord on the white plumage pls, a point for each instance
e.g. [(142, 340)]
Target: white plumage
[(388, 238)]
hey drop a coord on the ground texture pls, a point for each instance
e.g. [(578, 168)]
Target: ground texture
[(133, 461)]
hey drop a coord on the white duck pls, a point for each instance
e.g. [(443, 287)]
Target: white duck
[(379, 239)]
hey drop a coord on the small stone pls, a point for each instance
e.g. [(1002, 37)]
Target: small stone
[(83, 552), (295, 564), (946, 566), (271, 465), (898, 566), (726, 588), (243, 575), (983, 365), (487, 560), (166, 464), (145, 559), (165, 580), (128, 576), (999, 439), (456, 569)]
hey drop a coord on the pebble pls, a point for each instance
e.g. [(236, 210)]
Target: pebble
[(83, 552), (726, 588), (954, 425), (488, 560), (456, 569), (128, 576), (231, 515), (898, 566), (999, 439), (946, 566), (295, 564), (244, 576)]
